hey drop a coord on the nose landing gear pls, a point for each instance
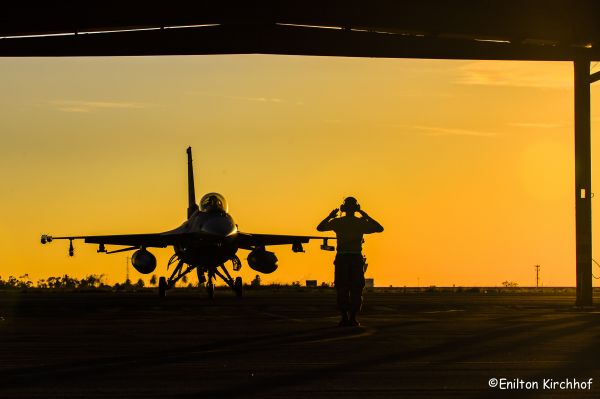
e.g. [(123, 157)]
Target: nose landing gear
[(221, 272), (210, 285), (206, 275)]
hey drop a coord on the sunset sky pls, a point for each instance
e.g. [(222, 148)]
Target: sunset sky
[(467, 164)]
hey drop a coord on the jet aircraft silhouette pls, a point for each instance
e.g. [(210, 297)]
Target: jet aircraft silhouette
[(205, 241)]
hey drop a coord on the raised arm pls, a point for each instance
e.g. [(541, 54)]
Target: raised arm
[(373, 225), (325, 224)]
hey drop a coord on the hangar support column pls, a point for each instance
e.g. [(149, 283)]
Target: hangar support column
[(583, 183)]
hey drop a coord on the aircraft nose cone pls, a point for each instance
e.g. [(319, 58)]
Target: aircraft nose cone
[(219, 226)]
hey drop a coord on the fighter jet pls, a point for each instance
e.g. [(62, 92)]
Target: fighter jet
[(205, 242)]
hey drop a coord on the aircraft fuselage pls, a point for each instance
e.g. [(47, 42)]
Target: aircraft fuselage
[(215, 242)]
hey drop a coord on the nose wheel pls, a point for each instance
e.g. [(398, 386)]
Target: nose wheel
[(210, 285)]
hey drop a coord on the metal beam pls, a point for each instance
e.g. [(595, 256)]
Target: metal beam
[(280, 39), (583, 184), (561, 21)]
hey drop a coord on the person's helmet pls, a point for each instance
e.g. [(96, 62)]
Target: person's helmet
[(350, 205)]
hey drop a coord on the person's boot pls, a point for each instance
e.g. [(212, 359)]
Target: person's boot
[(352, 321), (344, 321)]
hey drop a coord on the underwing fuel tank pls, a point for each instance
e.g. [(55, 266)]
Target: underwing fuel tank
[(262, 261), (143, 261)]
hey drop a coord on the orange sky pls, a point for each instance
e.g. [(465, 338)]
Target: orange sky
[(467, 164)]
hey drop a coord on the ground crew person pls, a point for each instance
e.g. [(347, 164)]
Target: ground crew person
[(349, 261)]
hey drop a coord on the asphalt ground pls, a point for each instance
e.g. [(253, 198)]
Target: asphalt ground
[(286, 344)]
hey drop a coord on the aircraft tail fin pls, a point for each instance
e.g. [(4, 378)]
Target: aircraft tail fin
[(192, 205)]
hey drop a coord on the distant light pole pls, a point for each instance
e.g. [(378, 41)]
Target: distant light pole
[(126, 269), (537, 276)]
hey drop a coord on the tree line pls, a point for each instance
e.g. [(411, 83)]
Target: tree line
[(67, 282), (97, 281)]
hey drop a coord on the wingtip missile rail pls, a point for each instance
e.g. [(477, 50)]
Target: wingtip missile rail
[(46, 238)]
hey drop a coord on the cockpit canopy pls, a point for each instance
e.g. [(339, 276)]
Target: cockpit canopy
[(213, 202)]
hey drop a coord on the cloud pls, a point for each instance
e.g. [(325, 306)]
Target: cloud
[(442, 131), (88, 106), (393, 125), (536, 125), (546, 75), (256, 99), (243, 98)]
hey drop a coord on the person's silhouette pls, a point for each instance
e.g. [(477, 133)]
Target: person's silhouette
[(349, 261)]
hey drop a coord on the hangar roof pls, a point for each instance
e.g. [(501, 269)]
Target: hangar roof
[(463, 29)]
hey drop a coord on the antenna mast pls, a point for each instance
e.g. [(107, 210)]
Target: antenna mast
[(537, 276)]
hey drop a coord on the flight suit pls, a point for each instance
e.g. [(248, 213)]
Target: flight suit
[(349, 261), (349, 281)]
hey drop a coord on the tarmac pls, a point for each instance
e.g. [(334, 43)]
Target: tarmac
[(286, 344)]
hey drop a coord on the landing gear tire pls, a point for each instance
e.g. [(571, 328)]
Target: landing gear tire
[(201, 278), (210, 289), (238, 287), (162, 287)]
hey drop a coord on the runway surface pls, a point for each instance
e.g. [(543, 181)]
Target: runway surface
[(286, 344)]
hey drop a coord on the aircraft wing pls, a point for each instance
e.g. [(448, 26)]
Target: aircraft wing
[(134, 240), (251, 241), (156, 240)]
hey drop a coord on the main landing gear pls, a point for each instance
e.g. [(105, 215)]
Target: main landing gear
[(238, 286), (206, 275), (162, 287), (179, 272)]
